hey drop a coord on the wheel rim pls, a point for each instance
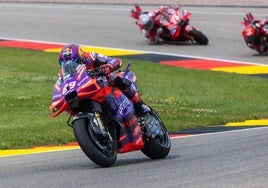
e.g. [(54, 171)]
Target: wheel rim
[(104, 145)]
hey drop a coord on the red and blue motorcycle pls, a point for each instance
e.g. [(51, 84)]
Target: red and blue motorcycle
[(255, 33), (167, 20), (103, 119)]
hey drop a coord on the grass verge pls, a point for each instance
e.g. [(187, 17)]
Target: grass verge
[(184, 98)]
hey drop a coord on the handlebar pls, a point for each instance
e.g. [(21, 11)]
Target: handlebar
[(95, 72)]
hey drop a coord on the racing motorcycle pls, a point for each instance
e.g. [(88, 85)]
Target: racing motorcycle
[(255, 33), (100, 116), (175, 18)]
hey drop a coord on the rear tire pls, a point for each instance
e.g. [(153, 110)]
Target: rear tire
[(105, 156), (159, 146), (199, 37)]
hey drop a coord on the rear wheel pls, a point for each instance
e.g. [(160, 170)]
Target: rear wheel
[(157, 146), (100, 151), (199, 37)]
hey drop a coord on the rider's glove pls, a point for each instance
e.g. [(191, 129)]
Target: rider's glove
[(257, 25), (105, 69)]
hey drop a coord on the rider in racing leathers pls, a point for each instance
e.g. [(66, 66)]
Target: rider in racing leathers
[(106, 65), (258, 41), (162, 15)]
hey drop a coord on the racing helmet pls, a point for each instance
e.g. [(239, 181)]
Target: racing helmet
[(71, 52), (70, 57), (250, 17), (146, 21)]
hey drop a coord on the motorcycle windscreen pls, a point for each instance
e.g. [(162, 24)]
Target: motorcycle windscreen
[(68, 68)]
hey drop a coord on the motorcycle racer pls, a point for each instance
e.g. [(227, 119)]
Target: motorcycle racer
[(106, 65), (163, 15), (258, 39), (104, 120)]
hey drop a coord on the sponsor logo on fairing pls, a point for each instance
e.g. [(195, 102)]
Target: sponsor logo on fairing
[(123, 106)]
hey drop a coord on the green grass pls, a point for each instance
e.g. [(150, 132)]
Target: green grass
[(184, 98)]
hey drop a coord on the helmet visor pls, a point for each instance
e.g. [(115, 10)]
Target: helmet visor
[(146, 21), (68, 67)]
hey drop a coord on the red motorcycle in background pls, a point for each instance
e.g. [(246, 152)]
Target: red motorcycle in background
[(255, 33), (168, 23), (103, 119)]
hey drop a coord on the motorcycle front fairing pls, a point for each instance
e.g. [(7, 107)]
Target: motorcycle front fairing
[(248, 34), (185, 15), (71, 86)]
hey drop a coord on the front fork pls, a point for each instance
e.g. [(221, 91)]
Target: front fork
[(94, 121)]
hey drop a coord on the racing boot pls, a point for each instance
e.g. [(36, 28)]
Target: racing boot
[(130, 90), (140, 107), (157, 35)]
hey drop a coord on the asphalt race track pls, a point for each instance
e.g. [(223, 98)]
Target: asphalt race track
[(231, 159), (111, 26), (227, 159)]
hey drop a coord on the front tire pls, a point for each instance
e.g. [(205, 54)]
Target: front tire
[(199, 37), (159, 146), (102, 154)]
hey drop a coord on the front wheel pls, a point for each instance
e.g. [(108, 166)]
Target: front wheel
[(102, 152), (156, 146), (199, 37)]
